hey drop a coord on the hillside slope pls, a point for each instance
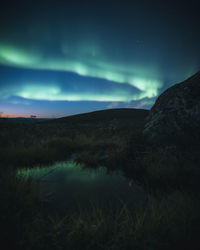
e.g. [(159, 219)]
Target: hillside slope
[(127, 114)]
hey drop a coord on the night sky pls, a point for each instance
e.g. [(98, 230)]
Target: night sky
[(59, 58)]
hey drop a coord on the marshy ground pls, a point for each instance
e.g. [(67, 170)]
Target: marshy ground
[(168, 176)]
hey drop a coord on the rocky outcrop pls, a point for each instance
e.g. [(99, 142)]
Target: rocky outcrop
[(175, 115)]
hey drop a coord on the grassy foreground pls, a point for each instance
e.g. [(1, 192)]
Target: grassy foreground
[(170, 176)]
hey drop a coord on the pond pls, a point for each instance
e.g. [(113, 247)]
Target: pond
[(69, 185)]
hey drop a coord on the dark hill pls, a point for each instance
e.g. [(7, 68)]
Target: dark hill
[(122, 115)]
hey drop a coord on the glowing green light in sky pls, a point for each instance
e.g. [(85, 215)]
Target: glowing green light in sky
[(10, 55), (84, 65), (54, 93)]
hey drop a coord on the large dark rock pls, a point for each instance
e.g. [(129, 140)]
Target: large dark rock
[(175, 117)]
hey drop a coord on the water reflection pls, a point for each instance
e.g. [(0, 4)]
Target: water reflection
[(70, 184)]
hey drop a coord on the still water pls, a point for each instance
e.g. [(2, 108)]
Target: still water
[(69, 185)]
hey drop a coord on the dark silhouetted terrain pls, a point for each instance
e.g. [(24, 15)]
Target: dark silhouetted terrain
[(168, 174), (175, 117)]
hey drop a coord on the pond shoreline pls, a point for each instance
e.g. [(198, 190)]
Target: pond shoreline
[(72, 185)]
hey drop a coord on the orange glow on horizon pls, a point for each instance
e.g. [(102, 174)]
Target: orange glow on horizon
[(16, 115)]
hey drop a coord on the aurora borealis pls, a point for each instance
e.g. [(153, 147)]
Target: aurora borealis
[(65, 57)]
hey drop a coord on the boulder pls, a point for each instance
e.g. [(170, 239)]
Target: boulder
[(175, 116)]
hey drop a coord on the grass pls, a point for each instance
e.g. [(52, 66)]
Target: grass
[(170, 222), (170, 175)]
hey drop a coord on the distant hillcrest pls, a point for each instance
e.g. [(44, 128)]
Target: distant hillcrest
[(175, 116), (107, 115)]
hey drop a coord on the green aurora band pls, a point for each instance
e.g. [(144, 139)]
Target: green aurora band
[(84, 61), (56, 93)]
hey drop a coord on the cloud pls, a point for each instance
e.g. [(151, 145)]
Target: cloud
[(145, 103), (113, 105)]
